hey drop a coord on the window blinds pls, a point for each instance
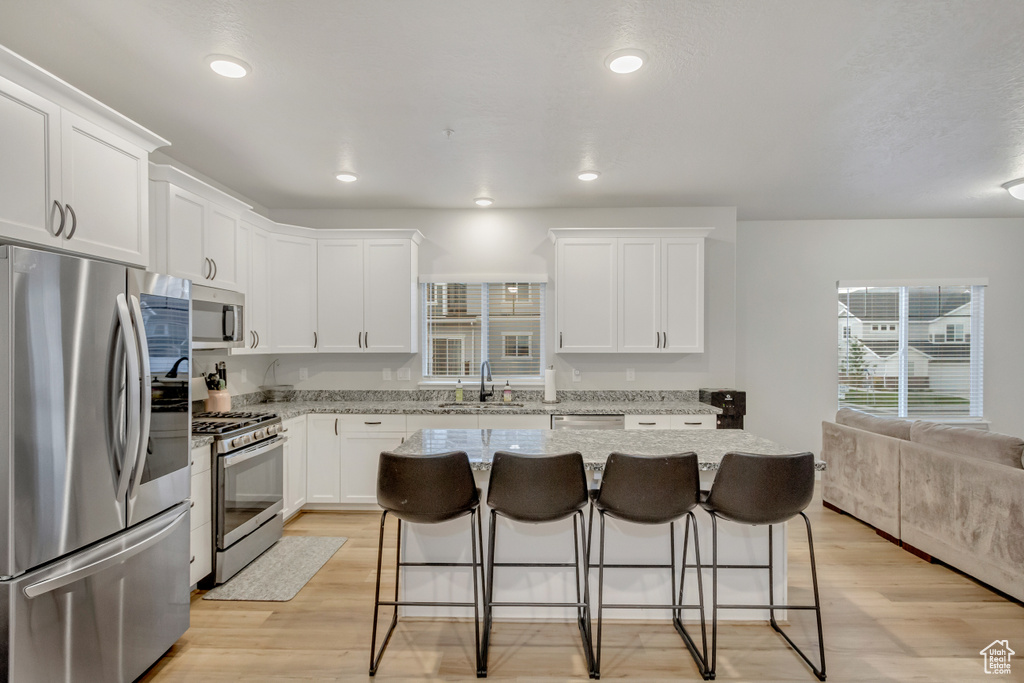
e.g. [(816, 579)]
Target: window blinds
[(912, 350), (466, 323)]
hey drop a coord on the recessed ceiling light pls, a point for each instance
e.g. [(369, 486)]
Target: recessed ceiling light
[(483, 201), (347, 177), (588, 175), (625, 61), (1015, 188), (229, 67)]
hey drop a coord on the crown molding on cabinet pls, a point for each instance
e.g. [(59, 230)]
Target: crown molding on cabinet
[(19, 70), (175, 176), (558, 233)]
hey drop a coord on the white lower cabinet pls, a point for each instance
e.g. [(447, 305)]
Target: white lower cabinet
[(360, 453), (323, 459), (671, 422), (201, 539), (294, 465), (342, 454)]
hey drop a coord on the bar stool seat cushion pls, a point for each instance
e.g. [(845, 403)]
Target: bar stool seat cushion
[(537, 488), (427, 489)]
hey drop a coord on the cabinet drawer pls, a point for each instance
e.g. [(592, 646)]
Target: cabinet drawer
[(201, 495), (515, 422), (371, 423), (414, 422), (649, 422), (694, 422), (201, 459), (201, 548)]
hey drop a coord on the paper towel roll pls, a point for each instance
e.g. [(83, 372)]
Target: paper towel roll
[(549, 385)]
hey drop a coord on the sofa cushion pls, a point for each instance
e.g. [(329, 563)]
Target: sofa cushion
[(898, 429), (974, 443)]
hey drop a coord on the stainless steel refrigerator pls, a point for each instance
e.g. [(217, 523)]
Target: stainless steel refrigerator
[(94, 467)]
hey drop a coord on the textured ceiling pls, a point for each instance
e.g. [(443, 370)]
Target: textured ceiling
[(784, 109)]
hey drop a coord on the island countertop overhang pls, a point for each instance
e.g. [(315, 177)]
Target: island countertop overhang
[(710, 445)]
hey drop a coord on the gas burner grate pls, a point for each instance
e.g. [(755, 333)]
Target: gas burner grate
[(236, 415)]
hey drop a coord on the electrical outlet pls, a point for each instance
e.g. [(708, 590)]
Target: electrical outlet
[(576, 377), (386, 374), (404, 374), (303, 374), (630, 374)]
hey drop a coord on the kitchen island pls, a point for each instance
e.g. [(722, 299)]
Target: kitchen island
[(626, 542)]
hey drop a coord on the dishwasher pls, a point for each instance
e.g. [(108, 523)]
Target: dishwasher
[(588, 422)]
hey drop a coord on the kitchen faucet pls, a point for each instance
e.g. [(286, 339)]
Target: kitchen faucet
[(484, 394)]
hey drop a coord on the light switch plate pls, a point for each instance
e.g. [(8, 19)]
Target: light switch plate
[(576, 376), (386, 374), (404, 374), (303, 374), (630, 374)]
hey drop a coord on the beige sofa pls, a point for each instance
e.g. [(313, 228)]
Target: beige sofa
[(954, 494)]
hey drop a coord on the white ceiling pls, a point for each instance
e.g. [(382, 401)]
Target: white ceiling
[(784, 109)]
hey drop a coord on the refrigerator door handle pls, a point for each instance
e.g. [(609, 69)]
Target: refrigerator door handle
[(48, 585), (134, 412), (146, 389)]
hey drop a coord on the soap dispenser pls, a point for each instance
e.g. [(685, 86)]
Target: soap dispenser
[(458, 391), (506, 395)]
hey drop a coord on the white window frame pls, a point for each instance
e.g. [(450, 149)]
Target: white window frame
[(504, 344)]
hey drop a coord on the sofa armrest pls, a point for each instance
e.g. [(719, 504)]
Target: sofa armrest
[(863, 475), (966, 512)]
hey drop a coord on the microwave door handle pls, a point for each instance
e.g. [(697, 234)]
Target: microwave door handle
[(48, 585), (228, 332), (146, 389), (131, 352)]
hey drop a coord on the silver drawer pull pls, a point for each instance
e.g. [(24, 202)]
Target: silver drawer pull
[(692, 424), (649, 424), (193, 560), (371, 423), (193, 504)]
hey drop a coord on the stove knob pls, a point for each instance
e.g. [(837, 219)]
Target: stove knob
[(236, 442), (276, 428), (260, 434)]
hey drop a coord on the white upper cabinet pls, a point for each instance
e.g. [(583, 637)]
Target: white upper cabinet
[(72, 172), (586, 302), (629, 291), (257, 295), (366, 295), (196, 229), (293, 295)]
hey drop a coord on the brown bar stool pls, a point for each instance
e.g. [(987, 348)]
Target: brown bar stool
[(758, 489), (652, 489), (426, 489), (536, 489)]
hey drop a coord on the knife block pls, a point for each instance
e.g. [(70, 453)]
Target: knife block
[(219, 401)]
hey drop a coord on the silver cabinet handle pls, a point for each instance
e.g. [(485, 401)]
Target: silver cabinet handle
[(664, 344), (366, 340), (693, 424), (192, 504), (193, 560), (359, 339), (47, 585), (314, 340), (559, 340), (371, 423), (647, 424), (62, 217), (74, 222), (257, 339), (207, 268), (657, 340), (335, 426), (214, 262)]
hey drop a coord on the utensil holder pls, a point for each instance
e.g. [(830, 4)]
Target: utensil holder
[(219, 401)]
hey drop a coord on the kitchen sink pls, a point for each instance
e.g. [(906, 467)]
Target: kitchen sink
[(474, 404)]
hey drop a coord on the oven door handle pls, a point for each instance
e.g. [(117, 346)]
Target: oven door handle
[(248, 454)]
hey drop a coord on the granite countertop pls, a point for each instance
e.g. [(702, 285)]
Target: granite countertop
[(200, 441), (480, 444)]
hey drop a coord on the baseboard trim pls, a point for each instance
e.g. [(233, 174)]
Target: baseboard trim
[(918, 553)]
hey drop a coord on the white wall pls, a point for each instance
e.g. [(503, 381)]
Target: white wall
[(786, 307), (496, 241)]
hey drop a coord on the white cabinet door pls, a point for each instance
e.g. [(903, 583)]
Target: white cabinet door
[(183, 245), (340, 295), (587, 279), (220, 245), (29, 166), (294, 465), (293, 267), (639, 324), (105, 183), (257, 300), (360, 454), (323, 463), (682, 301), (389, 296)]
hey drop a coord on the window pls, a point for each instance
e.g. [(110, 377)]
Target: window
[(467, 323), (930, 363)]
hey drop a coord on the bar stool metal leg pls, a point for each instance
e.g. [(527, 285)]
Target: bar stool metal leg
[(375, 661), (700, 657)]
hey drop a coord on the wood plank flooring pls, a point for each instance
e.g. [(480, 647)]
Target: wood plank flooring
[(888, 616)]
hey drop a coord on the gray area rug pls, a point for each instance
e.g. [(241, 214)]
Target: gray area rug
[(281, 572)]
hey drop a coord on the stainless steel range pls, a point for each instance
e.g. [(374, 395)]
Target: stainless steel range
[(249, 487)]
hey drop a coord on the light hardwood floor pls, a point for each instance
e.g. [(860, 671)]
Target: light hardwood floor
[(888, 616)]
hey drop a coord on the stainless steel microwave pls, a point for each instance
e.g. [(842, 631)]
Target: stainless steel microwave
[(218, 318)]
